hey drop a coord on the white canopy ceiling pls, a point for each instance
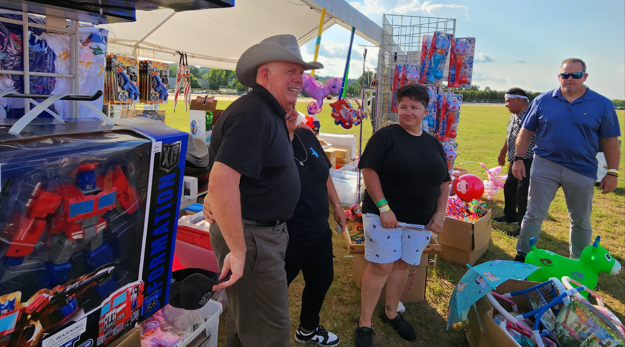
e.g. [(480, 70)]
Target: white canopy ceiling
[(216, 38)]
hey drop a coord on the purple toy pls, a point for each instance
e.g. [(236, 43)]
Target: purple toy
[(442, 46), (319, 91)]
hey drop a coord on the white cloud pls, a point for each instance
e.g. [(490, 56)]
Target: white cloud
[(483, 58), (375, 8)]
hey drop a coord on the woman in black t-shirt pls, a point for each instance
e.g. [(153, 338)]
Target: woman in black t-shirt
[(310, 236), (405, 171)]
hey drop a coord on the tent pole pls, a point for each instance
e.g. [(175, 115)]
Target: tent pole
[(346, 74), (323, 16), (136, 46)]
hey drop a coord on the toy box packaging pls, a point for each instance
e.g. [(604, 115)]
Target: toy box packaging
[(461, 54), (122, 76), (202, 116), (153, 80), (88, 218)]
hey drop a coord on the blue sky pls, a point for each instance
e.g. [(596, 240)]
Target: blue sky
[(519, 43)]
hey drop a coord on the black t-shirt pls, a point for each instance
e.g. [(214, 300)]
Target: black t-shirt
[(411, 170), (251, 137), (310, 219)]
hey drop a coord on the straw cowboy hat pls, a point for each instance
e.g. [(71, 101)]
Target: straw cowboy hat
[(275, 48)]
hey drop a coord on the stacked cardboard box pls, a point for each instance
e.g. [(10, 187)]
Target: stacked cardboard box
[(465, 242)]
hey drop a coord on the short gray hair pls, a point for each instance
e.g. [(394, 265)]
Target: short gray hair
[(574, 60)]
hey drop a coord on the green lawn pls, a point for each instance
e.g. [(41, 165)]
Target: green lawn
[(481, 134)]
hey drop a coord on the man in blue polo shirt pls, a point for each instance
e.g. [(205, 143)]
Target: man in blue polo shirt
[(570, 124)]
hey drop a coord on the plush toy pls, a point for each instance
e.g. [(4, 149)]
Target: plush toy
[(585, 270), (469, 187)]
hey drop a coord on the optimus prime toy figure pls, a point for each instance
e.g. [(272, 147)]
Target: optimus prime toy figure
[(72, 214)]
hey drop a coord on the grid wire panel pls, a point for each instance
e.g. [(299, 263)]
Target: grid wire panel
[(401, 43)]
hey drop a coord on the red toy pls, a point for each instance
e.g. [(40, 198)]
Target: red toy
[(345, 115), (120, 313), (469, 187), (73, 209)]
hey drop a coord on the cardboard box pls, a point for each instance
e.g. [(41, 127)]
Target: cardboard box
[(414, 290), (129, 339), (99, 261), (482, 330), (343, 140), (465, 242), (331, 154)]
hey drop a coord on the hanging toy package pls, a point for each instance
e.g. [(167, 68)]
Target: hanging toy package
[(433, 68), (153, 80), (462, 53), (121, 80)]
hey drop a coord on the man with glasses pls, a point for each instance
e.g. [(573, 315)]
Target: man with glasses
[(570, 123)]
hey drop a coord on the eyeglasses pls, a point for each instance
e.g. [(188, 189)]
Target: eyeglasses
[(575, 75)]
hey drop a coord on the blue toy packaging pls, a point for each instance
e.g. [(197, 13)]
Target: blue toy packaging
[(88, 217), (429, 122), (461, 56), (122, 77), (153, 80)]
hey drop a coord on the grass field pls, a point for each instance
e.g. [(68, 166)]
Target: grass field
[(481, 134)]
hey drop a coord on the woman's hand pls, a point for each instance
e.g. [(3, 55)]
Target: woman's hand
[(436, 223), (340, 217), (389, 221)]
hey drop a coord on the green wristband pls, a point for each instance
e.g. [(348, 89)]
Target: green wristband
[(380, 203)]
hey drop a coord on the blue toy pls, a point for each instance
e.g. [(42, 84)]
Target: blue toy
[(159, 87), (442, 46)]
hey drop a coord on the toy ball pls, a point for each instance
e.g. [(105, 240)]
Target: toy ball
[(469, 187)]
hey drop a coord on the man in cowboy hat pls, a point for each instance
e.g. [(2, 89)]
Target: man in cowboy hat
[(254, 187)]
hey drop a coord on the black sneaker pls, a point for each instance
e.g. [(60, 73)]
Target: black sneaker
[(364, 337), (514, 233), (520, 257), (403, 328), (320, 336), (504, 219)]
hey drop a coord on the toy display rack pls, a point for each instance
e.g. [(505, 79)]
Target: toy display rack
[(401, 43), (53, 24)]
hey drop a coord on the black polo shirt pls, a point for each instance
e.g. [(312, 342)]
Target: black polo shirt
[(251, 137), (310, 220)]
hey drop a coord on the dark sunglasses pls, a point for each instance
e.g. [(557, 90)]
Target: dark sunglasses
[(576, 75)]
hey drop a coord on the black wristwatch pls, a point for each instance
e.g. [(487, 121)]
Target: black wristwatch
[(518, 158)]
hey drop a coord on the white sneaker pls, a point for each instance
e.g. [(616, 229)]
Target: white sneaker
[(320, 336)]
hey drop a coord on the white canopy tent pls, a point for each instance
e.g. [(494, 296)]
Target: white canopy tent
[(216, 38)]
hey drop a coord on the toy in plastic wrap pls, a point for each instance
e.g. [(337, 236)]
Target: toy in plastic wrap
[(433, 67), (412, 73), (495, 181), (120, 313), (397, 78), (449, 116), (25, 323), (121, 80), (153, 79), (469, 187), (429, 122), (461, 62), (345, 114), (320, 91), (582, 324), (585, 270)]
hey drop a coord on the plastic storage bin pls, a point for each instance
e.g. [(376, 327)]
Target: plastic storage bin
[(206, 335)]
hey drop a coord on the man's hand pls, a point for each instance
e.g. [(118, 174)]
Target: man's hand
[(501, 159), (436, 223), (518, 170), (389, 221), (608, 183), (234, 264), (208, 213)]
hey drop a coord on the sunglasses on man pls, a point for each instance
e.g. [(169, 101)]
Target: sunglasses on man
[(575, 75)]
